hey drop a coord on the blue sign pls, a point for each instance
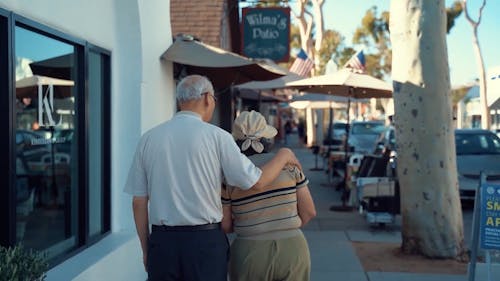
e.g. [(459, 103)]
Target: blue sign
[(490, 217), (266, 33)]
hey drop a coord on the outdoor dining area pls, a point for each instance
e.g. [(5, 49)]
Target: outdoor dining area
[(354, 164)]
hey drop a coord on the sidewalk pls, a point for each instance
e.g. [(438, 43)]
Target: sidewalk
[(330, 235)]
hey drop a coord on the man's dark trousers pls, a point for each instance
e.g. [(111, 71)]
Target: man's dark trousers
[(187, 255)]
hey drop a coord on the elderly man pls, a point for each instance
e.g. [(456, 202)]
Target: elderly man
[(178, 169)]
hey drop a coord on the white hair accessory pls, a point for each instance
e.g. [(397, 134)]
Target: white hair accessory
[(251, 127)]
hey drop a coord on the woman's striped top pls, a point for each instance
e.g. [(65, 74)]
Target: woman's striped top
[(274, 209)]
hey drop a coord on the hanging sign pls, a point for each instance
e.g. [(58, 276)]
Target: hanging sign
[(266, 33)]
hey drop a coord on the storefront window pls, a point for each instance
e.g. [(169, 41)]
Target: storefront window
[(46, 154), (55, 119)]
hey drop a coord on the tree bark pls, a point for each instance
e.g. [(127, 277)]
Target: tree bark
[(430, 204), (319, 29), (305, 26), (483, 98)]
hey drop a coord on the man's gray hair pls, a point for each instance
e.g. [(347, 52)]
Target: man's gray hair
[(192, 87)]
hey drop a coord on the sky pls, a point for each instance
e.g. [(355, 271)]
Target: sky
[(345, 16)]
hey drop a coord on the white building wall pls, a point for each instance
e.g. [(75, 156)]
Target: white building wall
[(126, 115), (136, 32), (493, 92), (493, 86)]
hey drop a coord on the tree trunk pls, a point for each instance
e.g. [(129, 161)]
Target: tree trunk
[(318, 29), (305, 26), (430, 203), (483, 98)]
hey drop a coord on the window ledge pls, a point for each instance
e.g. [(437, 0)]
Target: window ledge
[(106, 259)]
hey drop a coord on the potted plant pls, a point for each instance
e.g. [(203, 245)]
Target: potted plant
[(20, 264)]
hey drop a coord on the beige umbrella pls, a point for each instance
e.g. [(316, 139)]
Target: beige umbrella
[(223, 68), (271, 84), (56, 67), (31, 87), (264, 96), (347, 84), (317, 101)]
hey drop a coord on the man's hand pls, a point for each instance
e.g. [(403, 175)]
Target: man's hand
[(140, 208), (145, 261), (272, 169)]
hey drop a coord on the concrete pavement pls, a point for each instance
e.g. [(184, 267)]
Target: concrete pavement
[(330, 235)]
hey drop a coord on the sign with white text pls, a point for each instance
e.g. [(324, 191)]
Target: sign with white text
[(490, 217), (266, 33)]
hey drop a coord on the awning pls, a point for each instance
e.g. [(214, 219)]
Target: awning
[(277, 83), (56, 67), (265, 96), (29, 87), (222, 67)]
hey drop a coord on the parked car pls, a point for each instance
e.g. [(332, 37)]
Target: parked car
[(387, 139), (497, 131), (337, 133), (338, 130), (477, 150), (363, 135)]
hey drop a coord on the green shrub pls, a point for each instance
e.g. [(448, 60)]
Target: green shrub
[(20, 264)]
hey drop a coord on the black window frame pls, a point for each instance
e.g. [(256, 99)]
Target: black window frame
[(8, 22), (7, 166), (105, 141)]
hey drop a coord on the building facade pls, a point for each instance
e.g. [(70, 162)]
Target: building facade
[(469, 108), (80, 81)]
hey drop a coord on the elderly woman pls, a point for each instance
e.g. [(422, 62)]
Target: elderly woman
[(269, 243)]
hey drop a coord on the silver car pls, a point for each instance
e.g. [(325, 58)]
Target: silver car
[(477, 150), (363, 135)]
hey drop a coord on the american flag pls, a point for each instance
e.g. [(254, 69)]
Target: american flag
[(302, 64), (357, 62)]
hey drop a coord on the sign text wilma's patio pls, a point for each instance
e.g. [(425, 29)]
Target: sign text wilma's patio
[(266, 33)]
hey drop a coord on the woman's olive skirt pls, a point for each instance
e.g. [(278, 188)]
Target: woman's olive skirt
[(285, 259)]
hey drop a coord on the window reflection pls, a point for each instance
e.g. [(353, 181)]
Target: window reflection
[(45, 143)]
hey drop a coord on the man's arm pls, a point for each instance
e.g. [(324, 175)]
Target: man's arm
[(140, 208), (272, 169)]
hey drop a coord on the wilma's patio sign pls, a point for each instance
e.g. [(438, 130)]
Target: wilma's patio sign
[(266, 33)]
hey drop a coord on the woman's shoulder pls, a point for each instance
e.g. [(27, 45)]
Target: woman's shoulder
[(261, 158)]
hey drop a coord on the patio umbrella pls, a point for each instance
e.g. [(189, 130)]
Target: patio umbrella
[(344, 83), (222, 67), (57, 67), (263, 96), (348, 84), (32, 87), (270, 84), (317, 101)]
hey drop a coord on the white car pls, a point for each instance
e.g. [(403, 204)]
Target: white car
[(477, 150), (363, 135)]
